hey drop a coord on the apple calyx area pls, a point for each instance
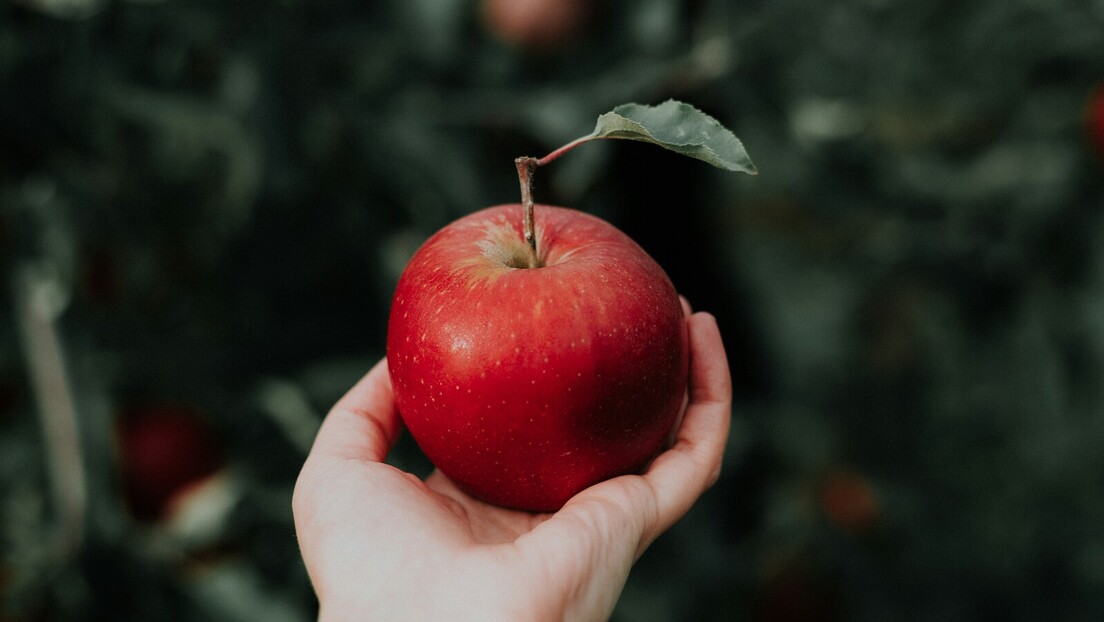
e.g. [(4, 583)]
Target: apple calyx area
[(527, 168)]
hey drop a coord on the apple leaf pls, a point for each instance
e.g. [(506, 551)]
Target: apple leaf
[(679, 127)]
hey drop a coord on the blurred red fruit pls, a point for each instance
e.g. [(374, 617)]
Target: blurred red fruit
[(163, 451), (1094, 121), (849, 502), (538, 25)]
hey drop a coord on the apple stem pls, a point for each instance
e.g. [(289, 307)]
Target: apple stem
[(526, 166)]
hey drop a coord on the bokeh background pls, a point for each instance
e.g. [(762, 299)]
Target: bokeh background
[(204, 207)]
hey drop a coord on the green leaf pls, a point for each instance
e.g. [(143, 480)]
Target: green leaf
[(679, 127)]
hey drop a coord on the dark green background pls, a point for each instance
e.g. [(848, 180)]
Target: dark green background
[(222, 194)]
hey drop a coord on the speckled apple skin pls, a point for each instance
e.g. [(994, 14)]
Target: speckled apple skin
[(525, 386)]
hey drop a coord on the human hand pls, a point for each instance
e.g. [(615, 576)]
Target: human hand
[(381, 544)]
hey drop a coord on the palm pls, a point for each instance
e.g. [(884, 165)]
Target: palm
[(487, 524)]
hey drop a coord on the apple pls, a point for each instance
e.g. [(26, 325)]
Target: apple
[(165, 452), (527, 375)]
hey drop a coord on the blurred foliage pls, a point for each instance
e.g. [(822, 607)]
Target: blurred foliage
[(204, 207)]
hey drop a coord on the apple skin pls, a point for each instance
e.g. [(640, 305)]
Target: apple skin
[(525, 386)]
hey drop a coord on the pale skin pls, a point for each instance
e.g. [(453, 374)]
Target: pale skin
[(381, 544)]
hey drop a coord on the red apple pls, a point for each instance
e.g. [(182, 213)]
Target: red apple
[(526, 385), (165, 451)]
